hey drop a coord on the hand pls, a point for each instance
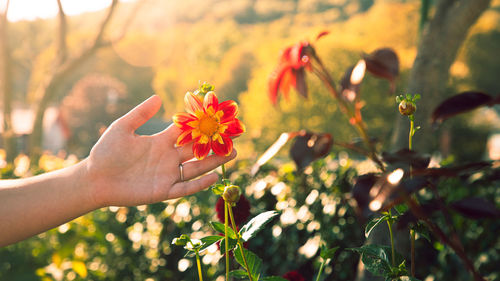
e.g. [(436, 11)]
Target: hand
[(126, 169)]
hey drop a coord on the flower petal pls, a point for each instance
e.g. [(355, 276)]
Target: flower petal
[(201, 150), (234, 128), (183, 118), (276, 82), (224, 148), (193, 103), (211, 100), (230, 109), (184, 138)]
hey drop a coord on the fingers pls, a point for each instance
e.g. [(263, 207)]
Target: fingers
[(181, 189), (186, 152), (141, 113), (169, 135), (194, 169)]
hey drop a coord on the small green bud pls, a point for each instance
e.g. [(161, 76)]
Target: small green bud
[(407, 107), (232, 194), (181, 241)]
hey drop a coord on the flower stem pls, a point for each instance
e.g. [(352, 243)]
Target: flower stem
[(389, 223), (320, 270), (240, 244), (199, 265), (412, 231), (223, 171), (226, 228)]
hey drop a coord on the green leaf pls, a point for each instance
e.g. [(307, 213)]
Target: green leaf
[(232, 243), (254, 262), (181, 240), (376, 258), (217, 226), (274, 278), (423, 231), (217, 189), (373, 223), (328, 253), (209, 241), (256, 224), (238, 273), (401, 208)]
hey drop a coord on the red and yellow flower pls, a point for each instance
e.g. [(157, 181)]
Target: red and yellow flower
[(209, 124)]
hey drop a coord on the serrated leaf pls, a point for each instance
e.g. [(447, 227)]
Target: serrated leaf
[(376, 258), (217, 226), (232, 243), (238, 273), (274, 278), (373, 223), (254, 262), (328, 253), (256, 224), (209, 241), (217, 189)]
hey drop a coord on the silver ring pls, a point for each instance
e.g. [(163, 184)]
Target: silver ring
[(181, 171)]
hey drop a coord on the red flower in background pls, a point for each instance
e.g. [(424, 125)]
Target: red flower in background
[(294, 276), (208, 123), (291, 71), (241, 211)]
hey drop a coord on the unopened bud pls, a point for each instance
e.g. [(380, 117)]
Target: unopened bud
[(407, 108), (231, 193)]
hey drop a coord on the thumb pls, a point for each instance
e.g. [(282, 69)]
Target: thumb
[(141, 113)]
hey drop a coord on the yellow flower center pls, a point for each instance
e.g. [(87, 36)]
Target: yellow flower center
[(208, 125)]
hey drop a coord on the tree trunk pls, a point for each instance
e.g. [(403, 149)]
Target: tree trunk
[(9, 138), (439, 44)]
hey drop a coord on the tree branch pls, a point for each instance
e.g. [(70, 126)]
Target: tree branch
[(62, 39)]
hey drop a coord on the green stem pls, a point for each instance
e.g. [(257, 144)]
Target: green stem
[(320, 270), (389, 223), (223, 172), (412, 132), (240, 244), (226, 228), (198, 263), (412, 231)]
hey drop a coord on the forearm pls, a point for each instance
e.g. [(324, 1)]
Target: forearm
[(33, 205)]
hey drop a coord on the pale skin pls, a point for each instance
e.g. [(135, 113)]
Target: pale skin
[(123, 169)]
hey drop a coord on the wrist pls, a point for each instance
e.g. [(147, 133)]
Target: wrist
[(90, 184)]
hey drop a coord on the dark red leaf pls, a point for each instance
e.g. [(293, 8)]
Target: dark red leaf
[(460, 103), (476, 208), (309, 146), (361, 191), (462, 170), (383, 63), (404, 157)]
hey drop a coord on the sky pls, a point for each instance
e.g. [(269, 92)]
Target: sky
[(32, 9)]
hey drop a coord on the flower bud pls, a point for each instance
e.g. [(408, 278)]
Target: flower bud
[(231, 194), (407, 108)]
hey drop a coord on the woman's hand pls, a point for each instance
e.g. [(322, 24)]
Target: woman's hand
[(127, 169)]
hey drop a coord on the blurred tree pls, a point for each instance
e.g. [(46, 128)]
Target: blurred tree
[(441, 38), (63, 66), (94, 102), (9, 141)]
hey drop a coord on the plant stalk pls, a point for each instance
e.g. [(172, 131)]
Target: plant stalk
[(198, 263), (393, 255), (320, 270), (412, 231), (226, 228), (240, 244)]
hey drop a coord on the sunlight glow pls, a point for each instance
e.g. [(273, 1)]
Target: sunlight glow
[(44, 9), (396, 176), (358, 72)]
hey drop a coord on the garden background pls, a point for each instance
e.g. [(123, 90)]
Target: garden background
[(61, 95)]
